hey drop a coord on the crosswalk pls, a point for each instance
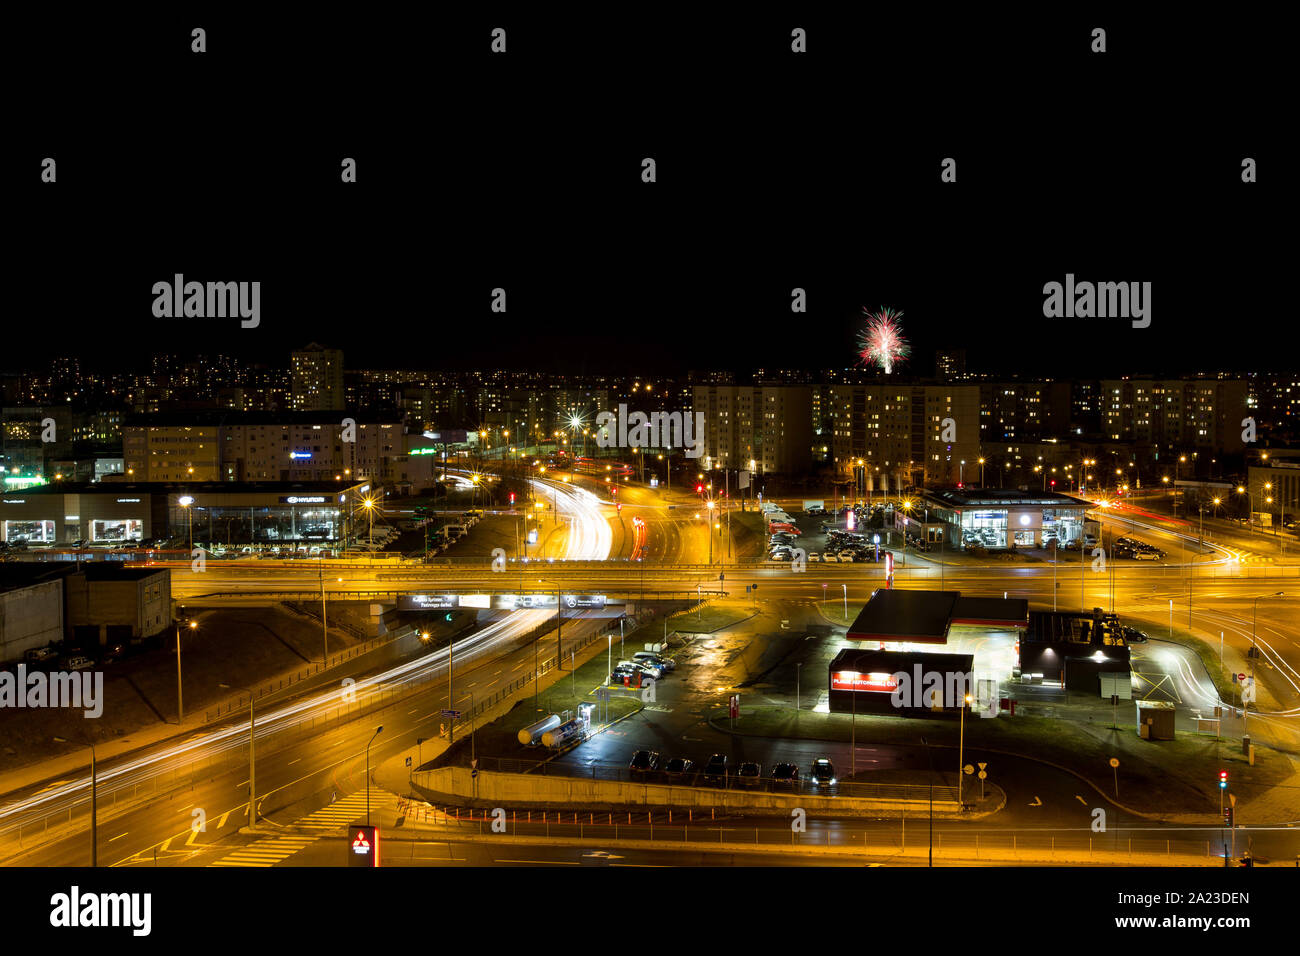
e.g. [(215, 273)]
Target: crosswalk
[(267, 852), (276, 849), (345, 811)]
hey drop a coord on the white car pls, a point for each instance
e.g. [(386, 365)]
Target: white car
[(1143, 555)]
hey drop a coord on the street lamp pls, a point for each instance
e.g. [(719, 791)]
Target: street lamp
[(981, 463), (185, 501), (378, 730), (180, 707), (369, 504), (961, 745)]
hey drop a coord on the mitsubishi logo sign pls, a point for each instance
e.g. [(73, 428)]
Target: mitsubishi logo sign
[(363, 848)]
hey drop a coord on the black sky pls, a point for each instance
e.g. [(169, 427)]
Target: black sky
[(773, 173)]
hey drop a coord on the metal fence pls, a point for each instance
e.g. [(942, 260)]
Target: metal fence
[(730, 781), (712, 826)]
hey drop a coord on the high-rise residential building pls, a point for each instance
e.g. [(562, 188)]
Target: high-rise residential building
[(1017, 411), (760, 428), (950, 364), (316, 379), (888, 435), (260, 446), (1175, 414)]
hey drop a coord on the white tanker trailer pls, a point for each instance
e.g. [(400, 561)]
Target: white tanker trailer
[(529, 736), (563, 734)]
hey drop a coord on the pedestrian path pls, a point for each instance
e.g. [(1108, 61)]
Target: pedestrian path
[(267, 852), (345, 811), (276, 849)]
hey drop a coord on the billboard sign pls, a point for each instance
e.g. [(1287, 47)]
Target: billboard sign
[(874, 683), (426, 602)]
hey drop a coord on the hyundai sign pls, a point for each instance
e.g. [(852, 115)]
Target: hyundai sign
[(302, 500)]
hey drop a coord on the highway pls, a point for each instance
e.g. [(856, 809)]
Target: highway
[(1216, 592)]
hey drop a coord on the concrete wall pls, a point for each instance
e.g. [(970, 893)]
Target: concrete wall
[(144, 603), (30, 617), (520, 790)]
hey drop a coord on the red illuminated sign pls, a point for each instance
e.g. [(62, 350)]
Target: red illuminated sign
[(876, 683), (363, 849)]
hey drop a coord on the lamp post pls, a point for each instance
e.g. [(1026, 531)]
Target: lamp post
[(961, 746), (180, 703), (846, 601), (930, 760), (185, 501), (798, 669), (1254, 612), (378, 730), (324, 626), (981, 462)]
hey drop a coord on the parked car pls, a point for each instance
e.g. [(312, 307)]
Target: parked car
[(654, 670), (1145, 554), (716, 768), (630, 677), (750, 773), (38, 655), (679, 767), (1133, 636), (822, 773), (785, 773), (77, 663), (666, 663), (644, 760)]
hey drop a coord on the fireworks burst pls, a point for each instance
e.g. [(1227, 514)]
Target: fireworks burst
[(881, 341)]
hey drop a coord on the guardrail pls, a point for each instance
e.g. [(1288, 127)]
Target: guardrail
[(694, 827)]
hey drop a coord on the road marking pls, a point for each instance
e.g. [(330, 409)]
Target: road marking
[(411, 713), (292, 762), (1081, 800), (118, 837), (184, 808), (546, 862), (166, 843), (1037, 802), (194, 835), (222, 821)]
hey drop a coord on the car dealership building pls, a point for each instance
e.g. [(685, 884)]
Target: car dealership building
[(129, 513)]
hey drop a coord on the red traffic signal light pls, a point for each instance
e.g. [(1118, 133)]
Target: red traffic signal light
[(512, 497), (699, 488), (1053, 482)]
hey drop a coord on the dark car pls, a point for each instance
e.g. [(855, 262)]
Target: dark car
[(750, 773), (630, 677), (716, 768), (785, 773), (822, 773), (1133, 636), (644, 760), (678, 767)]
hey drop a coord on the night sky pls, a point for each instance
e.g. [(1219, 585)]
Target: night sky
[(773, 173)]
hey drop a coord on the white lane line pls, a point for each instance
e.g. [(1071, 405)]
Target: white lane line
[(118, 837), (542, 862), (292, 762)]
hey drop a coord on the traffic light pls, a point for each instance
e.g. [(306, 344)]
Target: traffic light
[(1223, 780), (699, 489), (512, 496)]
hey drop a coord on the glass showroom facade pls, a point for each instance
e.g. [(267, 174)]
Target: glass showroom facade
[(1000, 519), (115, 514)]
